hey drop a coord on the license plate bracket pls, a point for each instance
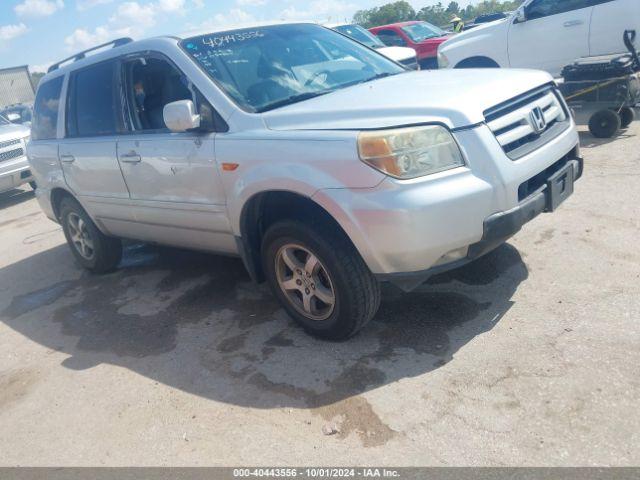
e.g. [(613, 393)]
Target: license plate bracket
[(559, 187)]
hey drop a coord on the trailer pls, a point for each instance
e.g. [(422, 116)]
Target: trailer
[(603, 92), (606, 106)]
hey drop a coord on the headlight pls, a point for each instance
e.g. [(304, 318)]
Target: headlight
[(443, 61), (410, 152)]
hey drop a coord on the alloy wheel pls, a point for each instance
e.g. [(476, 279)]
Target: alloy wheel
[(80, 236), (305, 282)]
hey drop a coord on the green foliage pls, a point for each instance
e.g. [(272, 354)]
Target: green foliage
[(438, 14), (35, 78), (399, 11)]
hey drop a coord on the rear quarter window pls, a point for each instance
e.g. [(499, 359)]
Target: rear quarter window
[(45, 114)]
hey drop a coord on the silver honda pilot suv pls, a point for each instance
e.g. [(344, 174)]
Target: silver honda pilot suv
[(325, 166)]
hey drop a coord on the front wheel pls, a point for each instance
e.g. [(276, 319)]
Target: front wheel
[(92, 248), (605, 124), (477, 62), (320, 279)]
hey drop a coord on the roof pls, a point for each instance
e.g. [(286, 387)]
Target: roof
[(340, 24), (240, 26), (102, 52), (398, 24)]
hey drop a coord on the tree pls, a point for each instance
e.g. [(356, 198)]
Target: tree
[(400, 11), (453, 8), (35, 78), (437, 14)]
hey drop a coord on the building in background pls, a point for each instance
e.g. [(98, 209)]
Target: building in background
[(16, 86)]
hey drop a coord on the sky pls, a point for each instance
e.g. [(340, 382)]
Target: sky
[(39, 32)]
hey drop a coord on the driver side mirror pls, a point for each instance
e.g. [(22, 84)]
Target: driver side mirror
[(181, 116), (521, 15)]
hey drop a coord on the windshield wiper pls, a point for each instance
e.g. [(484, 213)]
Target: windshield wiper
[(292, 99)]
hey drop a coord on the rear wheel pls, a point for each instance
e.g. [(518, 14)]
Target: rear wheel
[(320, 279), (627, 115), (605, 124), (94, 250)]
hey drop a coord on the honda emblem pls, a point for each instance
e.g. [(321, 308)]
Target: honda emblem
[(538, 122)]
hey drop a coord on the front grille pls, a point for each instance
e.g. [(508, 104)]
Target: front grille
[(515, 126), (11, 154), (9, 143)]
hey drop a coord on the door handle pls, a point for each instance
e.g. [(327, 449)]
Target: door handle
[(67, 158), (573, 23), (131, 157)]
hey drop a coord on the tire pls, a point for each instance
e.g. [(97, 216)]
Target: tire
[(340, 271), (627, 115), (33, 185), (604, 124), (477, 62), (100, 254)]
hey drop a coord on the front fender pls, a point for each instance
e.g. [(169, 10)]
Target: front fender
[(485, 41), (296, 162)]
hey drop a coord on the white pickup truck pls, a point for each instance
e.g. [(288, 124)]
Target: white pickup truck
[(545, 35)]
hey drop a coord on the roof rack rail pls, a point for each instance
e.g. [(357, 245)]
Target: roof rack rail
[(79, 56)]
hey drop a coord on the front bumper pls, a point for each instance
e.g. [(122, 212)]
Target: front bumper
[(14, 173), (497, 228), (407, 230)]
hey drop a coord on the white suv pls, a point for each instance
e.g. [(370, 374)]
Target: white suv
[(325, 166), (14, 168), (403, 55), (545, 34)]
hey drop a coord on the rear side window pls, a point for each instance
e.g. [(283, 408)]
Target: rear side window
[(93, 106), (45, 115)]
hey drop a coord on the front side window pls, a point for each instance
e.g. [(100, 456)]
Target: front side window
[(419, 32), (546, 8), (268, 67), (93, 103), (45, 113), (150, 83), (361, 35)]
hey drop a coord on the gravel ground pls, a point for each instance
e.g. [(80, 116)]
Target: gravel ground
[(528, 356)]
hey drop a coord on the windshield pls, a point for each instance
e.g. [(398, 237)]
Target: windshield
[(268, 67), (419, 32), (361, 35)]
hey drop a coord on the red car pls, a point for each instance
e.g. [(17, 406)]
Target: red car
[(423, 37)]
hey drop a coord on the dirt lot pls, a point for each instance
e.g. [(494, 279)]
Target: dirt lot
[(529, 356)]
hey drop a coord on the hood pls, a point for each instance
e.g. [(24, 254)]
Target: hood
[(437, 40), (481, 30), (398, 54), (13, 131), (456, 98)]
